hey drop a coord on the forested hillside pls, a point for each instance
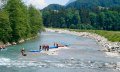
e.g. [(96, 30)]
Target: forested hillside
[(102, 15), (17, 21), (54, 7), (88, 4), (92, 3)]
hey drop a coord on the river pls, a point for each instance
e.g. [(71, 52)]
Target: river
[(83, 55)]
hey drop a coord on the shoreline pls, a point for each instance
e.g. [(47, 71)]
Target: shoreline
[(111, 47), (15, 43)]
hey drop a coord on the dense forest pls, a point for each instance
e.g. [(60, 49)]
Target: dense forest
[(101, 15), (17, 21)]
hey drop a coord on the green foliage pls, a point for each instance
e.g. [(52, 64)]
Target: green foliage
[(17, 19), (84, 14), (61, 19), (88, 4), (5, 29), (84, 26), (82, 19), (35, 20), (17, 22), (78, 4), (72, 26), (54, 7), (113, 36)]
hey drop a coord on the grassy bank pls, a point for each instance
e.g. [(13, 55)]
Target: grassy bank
[(113, 36)]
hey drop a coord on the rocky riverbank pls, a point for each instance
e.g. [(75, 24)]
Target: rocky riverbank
[(113, 47), (14, 43)]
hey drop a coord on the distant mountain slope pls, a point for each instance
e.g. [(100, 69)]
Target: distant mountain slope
[(70, 1), (85, 3), (54, 7), (91, 3)]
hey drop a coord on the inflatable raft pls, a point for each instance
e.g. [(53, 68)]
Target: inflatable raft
[(52, 47), (35, 51)]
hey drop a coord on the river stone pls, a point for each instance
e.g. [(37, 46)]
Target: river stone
[(21, 41), (8, 44), (118, 64), (14, 43)]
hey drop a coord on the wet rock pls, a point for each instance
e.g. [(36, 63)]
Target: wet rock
[(14, 43), (110, 65), (90, 62), (118, 64), (21, 41), (97, 65), (8, 44), (72, 58)]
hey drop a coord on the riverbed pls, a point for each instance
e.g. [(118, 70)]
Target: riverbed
[(83, 55)]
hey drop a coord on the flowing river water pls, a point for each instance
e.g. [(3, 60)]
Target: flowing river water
[(83, 55)]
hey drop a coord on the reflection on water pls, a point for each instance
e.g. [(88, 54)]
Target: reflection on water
[(83, 55)]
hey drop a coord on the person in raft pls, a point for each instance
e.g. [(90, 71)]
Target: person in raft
[(47, 47), (23, 52), (43, 47), (56, 45)]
